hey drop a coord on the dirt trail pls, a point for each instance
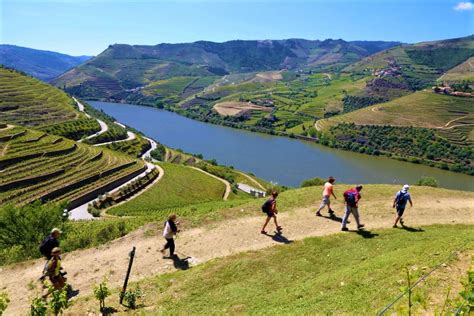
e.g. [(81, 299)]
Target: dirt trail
[(217, 240)]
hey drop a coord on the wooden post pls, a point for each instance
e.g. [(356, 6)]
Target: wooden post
[(409, 292), (124, 289)]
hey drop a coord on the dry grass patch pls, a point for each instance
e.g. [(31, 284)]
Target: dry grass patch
[(234, 108), (268, 76)]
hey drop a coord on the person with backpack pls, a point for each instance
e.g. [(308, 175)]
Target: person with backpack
[(49, 243), (327, 192), (269, 208), (351, 198), (53, 271), (170, 230), (400, 203)]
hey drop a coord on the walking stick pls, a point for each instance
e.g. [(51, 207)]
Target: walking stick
[(125, 283)]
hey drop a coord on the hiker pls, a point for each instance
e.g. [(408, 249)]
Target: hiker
[(53, 270), (400, 203), (327, 192), (352, 197), (170, 230), (49, 243), (269, 208)]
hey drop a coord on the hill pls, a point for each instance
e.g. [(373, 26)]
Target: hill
[(226, 243), (122, 70), (44, 65)]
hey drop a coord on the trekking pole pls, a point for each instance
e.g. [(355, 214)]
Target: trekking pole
[(125, 283)]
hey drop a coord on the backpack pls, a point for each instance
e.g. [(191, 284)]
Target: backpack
[(267, 206), (351, 198), (402, 197), (44, 247)]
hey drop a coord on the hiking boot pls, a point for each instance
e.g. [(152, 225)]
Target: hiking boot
[(360, 226), (318, 214), (331, 212), (263, 232), (395, 226), (279, 228), (344, 229)]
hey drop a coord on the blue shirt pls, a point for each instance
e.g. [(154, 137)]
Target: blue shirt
[(402, 199)]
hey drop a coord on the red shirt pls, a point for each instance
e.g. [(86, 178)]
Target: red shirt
[(354, 192)]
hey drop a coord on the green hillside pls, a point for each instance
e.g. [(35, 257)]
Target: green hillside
[(28, 102), (121, 71), (39, 166), (180, 186), (464, 71)]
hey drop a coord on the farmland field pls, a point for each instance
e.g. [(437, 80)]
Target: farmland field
[(233, 108)]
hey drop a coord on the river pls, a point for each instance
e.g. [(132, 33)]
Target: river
[(278, 159)]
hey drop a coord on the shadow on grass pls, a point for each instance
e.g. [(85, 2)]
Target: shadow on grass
[(365, 233), (412, 229)]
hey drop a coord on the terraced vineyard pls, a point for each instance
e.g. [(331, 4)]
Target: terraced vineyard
[(38, 166), (29, 102)]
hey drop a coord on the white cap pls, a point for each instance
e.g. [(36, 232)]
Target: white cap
[(405, 188), (56, 230)]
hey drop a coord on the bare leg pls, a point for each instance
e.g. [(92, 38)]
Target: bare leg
[(276, 223), (266, 223), (396, 220)]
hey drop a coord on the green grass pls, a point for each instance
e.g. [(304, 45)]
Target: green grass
[(464, 71), (337, 274), (179, 186), (168, 87)]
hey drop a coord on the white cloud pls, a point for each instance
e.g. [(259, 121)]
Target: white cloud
[(464, 6)]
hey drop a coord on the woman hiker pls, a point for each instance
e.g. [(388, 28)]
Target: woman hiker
[(269, 208), (170, 230)]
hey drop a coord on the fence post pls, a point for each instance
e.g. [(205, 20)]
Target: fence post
[(409, 291), (124, 289)]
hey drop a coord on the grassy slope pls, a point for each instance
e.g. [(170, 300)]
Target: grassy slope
[(29, 102), (464, 71), (421, 109), (341, 274), (180, 186)]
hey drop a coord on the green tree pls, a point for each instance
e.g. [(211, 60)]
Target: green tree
[(101, 292)]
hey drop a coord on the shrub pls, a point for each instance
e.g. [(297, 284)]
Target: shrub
[(38, 307), (312, 182), (23, 228), (132, 296), (427, 181), (101, 292), (59, 301), (4, 300)]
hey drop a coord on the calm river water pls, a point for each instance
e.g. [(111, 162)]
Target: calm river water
[(279, 159)]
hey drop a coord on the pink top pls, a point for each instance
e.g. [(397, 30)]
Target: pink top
[(327, 189)]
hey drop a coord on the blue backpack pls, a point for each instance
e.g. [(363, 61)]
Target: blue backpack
[(351, 198)]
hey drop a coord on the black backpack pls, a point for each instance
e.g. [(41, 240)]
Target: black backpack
[(267, 206)]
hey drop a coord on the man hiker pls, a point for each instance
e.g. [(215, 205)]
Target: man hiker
[(327, 192), (50, 242), (269, 208), (351, 198), (400, 203), (170, 230), (53, 270)]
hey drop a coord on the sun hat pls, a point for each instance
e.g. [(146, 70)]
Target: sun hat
[(405, 188), (55, 250)]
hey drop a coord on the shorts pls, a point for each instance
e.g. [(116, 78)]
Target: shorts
[(270, 213), (325, 201), (400, 211)]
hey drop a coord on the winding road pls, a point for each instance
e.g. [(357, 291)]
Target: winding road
[(103, 127)]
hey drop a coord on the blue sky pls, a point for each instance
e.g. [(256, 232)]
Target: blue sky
[(87, 27)]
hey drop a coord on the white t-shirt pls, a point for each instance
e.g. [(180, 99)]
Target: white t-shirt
[(168, 232)]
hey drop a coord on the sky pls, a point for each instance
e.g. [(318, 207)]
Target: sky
[(87, 27)]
